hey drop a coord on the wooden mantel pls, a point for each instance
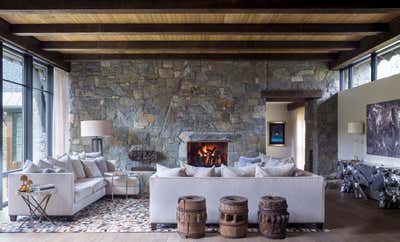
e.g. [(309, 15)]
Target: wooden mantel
[(290, 95)]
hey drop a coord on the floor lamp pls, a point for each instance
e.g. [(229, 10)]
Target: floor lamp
[(355, 129), (96, 129)]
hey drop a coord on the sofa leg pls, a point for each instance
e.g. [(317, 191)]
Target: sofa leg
[(320, 226), (153, 226), (13, 218)]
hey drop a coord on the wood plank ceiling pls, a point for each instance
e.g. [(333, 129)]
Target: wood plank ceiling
[(335, 31)]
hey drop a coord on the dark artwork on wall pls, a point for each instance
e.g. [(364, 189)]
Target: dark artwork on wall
[(383, 128), (276, 133)]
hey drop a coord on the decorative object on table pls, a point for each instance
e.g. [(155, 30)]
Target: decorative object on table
[(233, 221), (191, 216), (37, 202), (96, 129), (26, 185), (383, 129), (273, 217), (139, 154), (356, 129), (276, 133)]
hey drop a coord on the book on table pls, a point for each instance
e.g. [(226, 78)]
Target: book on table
[(43, 187)]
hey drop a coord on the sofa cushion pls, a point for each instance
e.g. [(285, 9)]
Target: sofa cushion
[(112, 165), (121, 181), (91, 168), (163, 171), (245, 161), (199, 171), (101, 164), (274, 171), (247, 171), (42, 164), (64, 162), (78, 168), (29, 167), (86, 186)]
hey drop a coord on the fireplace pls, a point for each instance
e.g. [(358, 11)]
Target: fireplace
[(207, 154)]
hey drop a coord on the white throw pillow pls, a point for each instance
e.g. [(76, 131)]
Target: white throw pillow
[(101, 163), (275, 171), (163, 171), (199, 171), (29, 167), (42, 164), (91, 169), (78, 168), (64, 162), (247, 171)]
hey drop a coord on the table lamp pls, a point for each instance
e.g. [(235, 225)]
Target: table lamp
[(96, 129)]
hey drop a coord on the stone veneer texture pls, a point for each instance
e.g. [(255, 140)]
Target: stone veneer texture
[(151, 102)]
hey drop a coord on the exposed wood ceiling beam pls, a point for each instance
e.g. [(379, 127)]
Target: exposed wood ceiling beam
[(178, 29), (182, 45), (203, 6), (31, 45), (295, 105), (368, 45), (290, 95), (227, 57)]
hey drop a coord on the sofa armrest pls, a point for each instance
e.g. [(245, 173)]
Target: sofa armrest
[(61, 202)]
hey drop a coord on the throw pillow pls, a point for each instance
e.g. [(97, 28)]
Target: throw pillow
[(101, 163), (247, 171), (78, 167), (42, 164), (245, 161), (199, 171), (112, 165), (29, 167), (91, 169), (64, 162), (93, 154), (163, 171), (275, 171)]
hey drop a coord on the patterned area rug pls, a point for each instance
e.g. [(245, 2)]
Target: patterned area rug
[(106, 215)]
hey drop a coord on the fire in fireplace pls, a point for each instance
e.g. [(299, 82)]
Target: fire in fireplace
[(207, 154)]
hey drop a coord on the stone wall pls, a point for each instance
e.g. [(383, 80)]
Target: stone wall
[(151, 102)]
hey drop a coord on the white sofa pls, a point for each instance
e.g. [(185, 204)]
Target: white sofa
[(71, 196), (305, 196)]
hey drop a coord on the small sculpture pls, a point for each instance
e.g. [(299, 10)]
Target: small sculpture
[(26, 185)]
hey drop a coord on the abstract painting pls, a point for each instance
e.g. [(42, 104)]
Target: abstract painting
[(383, 129), (276, 133)]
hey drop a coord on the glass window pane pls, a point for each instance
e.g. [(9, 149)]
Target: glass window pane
[(13, 129), (389, 63), (40, 104), (346, 79), (40, 77), (13, 67), (362, 73)]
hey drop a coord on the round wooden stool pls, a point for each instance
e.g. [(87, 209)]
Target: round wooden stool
[(273, 217), (233, 219), (191, 217)]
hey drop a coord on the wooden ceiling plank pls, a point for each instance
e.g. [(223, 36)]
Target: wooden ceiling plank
[(185, 29), (207, 6), (368, 45), (219, 57), (31, 45), (221, 45)]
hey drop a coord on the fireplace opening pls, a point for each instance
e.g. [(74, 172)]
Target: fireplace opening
[(207, 154)]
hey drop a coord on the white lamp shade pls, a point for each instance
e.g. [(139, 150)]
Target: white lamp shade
[(100, 128), (355, 127)]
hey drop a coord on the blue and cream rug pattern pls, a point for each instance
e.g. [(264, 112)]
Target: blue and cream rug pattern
[(106, 215)]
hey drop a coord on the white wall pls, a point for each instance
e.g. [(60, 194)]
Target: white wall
[(278, 112), (352, 107)]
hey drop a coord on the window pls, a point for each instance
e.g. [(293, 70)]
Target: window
[(13, 111), (40, 112), (361, 72), (389, 62), (26, 112)]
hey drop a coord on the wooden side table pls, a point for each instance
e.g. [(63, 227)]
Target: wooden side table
[(37, 202)]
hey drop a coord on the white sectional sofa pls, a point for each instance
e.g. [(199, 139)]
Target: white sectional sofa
[(71, 196), (305, 195)]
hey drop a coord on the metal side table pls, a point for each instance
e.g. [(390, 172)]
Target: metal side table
[(37, 202)]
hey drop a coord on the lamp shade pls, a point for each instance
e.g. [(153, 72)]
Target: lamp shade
[(100, 128), (355, 127)]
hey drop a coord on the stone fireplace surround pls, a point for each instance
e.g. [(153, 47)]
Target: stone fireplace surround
[(189, 136)]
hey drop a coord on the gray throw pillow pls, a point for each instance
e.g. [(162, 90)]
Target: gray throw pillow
[(91, 169), (101, 163), (29, 167)]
